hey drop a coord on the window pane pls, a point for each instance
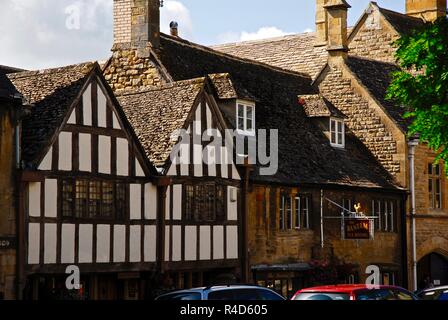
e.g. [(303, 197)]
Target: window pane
[(298, 209), (249, 117), (282, 213), (288, 212), (241, 123), (67, 198), (107, 200), (81, 199), (430, 168), (94, 199), (340, 123), (306, 213), (240, 111), (120, 200), (209, 202), (333, 137), (189, 196), (220, 203), (431, 193)]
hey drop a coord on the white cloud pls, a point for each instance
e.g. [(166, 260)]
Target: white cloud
[(34, 35), (37, 34), (262, 33), (308, 30)]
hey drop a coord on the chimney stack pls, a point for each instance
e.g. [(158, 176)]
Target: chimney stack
[(174, 29), (336, 11), (321, 23), (429, 10), (137, 22)]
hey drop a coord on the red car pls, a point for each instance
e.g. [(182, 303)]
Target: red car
[(354, 292)]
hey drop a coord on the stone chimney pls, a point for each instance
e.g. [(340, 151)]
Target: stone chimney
[(174, 29), (137, 22), (429, 10), (336, 11), (321, 23)]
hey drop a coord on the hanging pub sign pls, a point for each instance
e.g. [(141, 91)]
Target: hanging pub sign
[(357, 229), (7, 243)]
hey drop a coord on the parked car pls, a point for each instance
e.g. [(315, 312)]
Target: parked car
[(437, 293), (354, 292), (227, 293)]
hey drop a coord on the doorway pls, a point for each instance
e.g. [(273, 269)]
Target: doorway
[(432, 270)]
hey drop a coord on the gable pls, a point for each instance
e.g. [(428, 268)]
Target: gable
[(373, 37), (94, 138), (204, 148)]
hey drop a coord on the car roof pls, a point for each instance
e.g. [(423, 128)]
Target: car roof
[(434, 289), (215, 288), (345, 288)]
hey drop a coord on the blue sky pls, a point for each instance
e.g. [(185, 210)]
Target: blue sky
[(34, 33), (214, 19)]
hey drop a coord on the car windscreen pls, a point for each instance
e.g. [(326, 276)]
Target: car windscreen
[(376, 294), (434, 295), (244, 295), (180, 296), (322, 296)]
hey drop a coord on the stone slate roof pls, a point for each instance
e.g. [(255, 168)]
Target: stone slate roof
[(402, 23), (294, 52), (50, 92), (317, 106), (376, 77), (305, 154), (226, 89), (157, 113)]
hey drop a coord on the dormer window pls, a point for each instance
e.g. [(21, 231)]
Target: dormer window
[(337, 133), (245, 115)]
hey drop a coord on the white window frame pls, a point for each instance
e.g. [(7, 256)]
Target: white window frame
[(337, 143), (245, 105), (286, 213), (302, 205)]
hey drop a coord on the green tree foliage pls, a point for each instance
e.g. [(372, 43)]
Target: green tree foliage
[(422, 84)]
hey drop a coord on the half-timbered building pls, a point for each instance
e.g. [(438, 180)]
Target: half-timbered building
[(200, 219), (87, 193)]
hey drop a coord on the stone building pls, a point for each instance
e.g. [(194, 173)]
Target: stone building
[(280, 236), (351, 67)]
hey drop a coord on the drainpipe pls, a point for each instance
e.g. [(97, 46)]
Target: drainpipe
[(245, 264), (322, 219), (412, 144)]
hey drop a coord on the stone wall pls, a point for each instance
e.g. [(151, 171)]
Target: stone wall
[(129, 70), (362, 120), (374, 39), (270, 245), (423, 157)]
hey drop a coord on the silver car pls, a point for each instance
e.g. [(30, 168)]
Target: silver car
[(223, 293)]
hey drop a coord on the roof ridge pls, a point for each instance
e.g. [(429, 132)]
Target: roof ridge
[(168, 86), (403, 15), (32, 73), (265, 40), (229, 56)]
